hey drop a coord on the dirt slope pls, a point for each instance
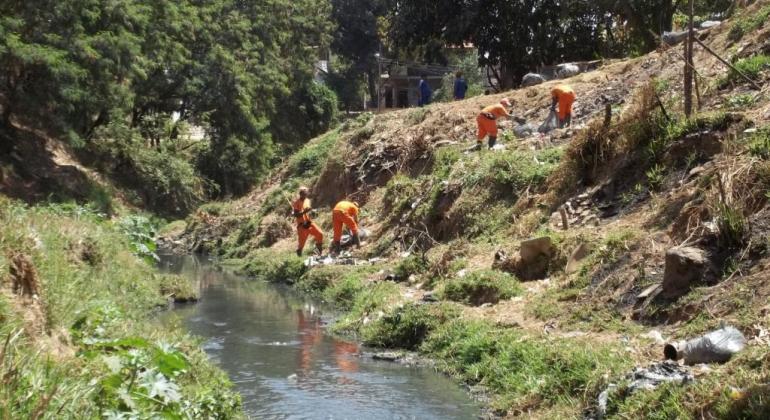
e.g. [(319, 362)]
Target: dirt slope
[(632, 188)]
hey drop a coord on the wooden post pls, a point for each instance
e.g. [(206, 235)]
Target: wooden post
[(564, 218), (688, 62)]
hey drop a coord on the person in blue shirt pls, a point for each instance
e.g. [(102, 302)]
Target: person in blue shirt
[(425, 92), (461, 86)]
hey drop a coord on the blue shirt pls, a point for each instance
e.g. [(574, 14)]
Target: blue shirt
[(460, 88), (425, 93)]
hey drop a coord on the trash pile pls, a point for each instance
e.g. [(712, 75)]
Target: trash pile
[(715, 347)]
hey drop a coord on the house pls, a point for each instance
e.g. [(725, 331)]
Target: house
[(400, 82)]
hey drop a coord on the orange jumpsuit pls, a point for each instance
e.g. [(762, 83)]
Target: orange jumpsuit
[(305, 226), (488, 126), (566, 97), (344, 213)]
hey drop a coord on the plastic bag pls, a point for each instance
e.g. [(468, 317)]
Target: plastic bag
[(551, 123), (716, 346)]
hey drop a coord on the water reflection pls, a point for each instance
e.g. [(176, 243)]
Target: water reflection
[(273, 346)]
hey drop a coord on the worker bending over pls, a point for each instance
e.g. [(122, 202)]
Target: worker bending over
[(487, 122), (344, 213), (565, 97), (305, 227)]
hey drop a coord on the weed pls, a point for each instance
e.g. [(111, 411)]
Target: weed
[(416, 116), (177, 288), (732, 226), (413, 264), (656, 176), (343, 293), (478, 287), (407, 326), (309, 160), (759, 144), (741, 101), (141, 232)]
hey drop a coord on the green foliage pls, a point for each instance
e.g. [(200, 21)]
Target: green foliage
[(407, 326), (741, 101), (747, 23), (525, 372), (178, 288), (510, 173), (733, 226), (656, 176), (759, 144), (157, 67), (752, 67), (119, 368), (413, 264), (271, 266), (141, 233), (344, 292), (479, 287), (309, 160), (469, 66)]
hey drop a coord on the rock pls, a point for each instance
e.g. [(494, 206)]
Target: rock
[(534, 248), (578, 255), (566, 70), (684, 267), (386, 356), (534, 258), (532, 79)]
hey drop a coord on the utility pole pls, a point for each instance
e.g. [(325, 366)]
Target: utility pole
[(688, 65)]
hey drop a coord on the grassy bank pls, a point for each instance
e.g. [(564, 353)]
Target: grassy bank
[(78, 336)]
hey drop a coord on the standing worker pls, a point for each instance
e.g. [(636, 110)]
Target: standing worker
[(565, 97), (425, 92), (305, 227), (344, 213), (461, 86), (487, 122)]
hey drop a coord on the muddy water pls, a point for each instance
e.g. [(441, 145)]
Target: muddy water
[(273, 345)]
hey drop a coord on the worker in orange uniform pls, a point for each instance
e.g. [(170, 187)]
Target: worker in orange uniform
[(305, 227), (487, 122), (565, 97), (344, 213)]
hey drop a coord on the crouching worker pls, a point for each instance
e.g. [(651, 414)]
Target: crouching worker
[(305, 226), (564, 96), (487, 122), (344, 213)]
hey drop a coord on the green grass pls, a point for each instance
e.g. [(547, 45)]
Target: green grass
[(759, 143), (741, 101), (407, 326), (524, 373), (479, 287), (310, 159), (751, 67), (119, 361), (747, 23)]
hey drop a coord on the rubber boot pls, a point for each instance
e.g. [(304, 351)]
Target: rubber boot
[(319, 249), (357, 241), (477, 147), (492, 141), (335, 248), (299, 252)]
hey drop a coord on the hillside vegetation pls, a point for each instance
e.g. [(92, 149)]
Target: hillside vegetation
[(442, 273)]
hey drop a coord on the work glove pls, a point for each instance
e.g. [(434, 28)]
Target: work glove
[(306, 225)]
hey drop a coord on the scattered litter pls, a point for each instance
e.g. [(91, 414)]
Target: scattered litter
[(673, 38), (498, 147), (710, 24), (524, 130), (462, 273), (750, 130), (717, 346), (644, 379)]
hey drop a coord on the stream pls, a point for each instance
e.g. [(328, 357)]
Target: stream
[(273, 345)]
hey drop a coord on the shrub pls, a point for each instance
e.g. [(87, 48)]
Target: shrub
[(656, 176), (343, 293), (479, 287), (309, 160), (406, 327), (413, 264)]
